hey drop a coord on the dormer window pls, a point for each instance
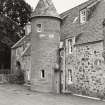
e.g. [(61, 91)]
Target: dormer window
[(83, 16), (39, 27)]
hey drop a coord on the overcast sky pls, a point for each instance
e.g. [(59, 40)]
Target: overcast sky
[(61, 5)]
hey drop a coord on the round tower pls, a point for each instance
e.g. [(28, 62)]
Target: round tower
[(45, 43)]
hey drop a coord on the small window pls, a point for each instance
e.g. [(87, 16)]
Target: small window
[(69, 76), (18, 64), (61, 44), (71, 43), (28, 29), (70, 47), (39, 27), (42, 74), (83, 16)]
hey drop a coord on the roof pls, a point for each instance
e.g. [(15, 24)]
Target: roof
[(87, 37), (79, 7), (90, 31), (45, 8), (23, 40)]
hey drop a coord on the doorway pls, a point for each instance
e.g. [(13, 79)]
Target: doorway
[(5, 59)]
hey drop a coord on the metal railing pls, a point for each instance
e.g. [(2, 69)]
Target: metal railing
[(5, 71)]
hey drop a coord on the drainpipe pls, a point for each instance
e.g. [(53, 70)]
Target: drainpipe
[(104, 39), (59, 62)]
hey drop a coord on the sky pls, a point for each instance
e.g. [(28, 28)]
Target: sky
[(61, 5)]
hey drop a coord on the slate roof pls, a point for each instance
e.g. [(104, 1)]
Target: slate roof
[(76, 9), (89, 32), (45, 8)]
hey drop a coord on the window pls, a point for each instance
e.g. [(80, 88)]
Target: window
[(70, 47), (83, 16), (18, 65), (42, 74), (61, 44), (28, 29), (69, 76), (39, 27)]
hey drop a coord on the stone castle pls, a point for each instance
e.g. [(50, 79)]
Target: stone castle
[(65, 52)]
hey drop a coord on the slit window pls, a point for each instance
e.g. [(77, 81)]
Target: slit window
[(42, 74), (39, 27)]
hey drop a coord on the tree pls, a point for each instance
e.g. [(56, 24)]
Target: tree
[(17, 10)]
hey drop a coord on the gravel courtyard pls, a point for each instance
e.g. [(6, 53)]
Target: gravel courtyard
[(18, 95)]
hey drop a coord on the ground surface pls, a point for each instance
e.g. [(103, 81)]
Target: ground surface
[(17, 95)]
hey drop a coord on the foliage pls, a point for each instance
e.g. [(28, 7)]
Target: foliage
[(18, 11)]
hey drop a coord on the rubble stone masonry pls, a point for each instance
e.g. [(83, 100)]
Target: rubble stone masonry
[(88, 70)]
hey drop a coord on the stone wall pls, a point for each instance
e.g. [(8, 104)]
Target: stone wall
[(44, 54), (16, 56), (26, 66), (88, 70)]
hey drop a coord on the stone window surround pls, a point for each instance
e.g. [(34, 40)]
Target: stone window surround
[(39, 27), (70, 76), (70, 42), (83, 16)]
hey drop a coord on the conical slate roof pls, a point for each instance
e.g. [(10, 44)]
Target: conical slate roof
[(45, 8)]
